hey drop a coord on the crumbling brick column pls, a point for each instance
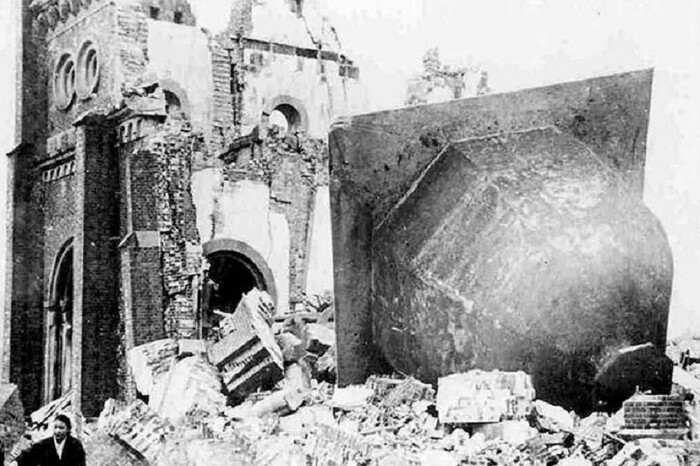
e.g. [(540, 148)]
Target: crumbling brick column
[(96, 276)]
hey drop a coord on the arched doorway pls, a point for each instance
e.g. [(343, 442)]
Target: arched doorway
[(284, 115), (286, 119), (232, 275), (60, 327), (234, 268)]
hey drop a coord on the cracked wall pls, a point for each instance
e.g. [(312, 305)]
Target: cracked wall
[(158, 161)]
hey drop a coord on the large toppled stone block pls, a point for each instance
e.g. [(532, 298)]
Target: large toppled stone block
[(135, 425), (479, 396), (192, 385), (501, 232), (255, 302), (549, 418), (247, 355), (151, 361), (12, 423)]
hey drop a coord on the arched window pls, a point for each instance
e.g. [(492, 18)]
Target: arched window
[(173, 105), (286, 118), (59, 336)]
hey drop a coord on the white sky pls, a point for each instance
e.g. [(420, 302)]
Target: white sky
[(523, 44)]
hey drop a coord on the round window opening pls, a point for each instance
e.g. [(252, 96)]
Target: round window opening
[(88, 70), (64, 82)]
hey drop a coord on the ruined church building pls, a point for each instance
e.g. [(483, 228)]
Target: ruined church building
[(149, 187)]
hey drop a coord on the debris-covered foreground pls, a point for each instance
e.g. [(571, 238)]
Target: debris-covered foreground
[(261, 392)]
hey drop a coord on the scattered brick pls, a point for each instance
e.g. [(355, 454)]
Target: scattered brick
[(192, 385), (11, 416), (150, 362), (480, 396), (136, 426)]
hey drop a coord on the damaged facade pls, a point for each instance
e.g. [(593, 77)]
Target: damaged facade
[(151, 189)]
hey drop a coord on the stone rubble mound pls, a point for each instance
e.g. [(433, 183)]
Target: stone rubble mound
[(263, 393)]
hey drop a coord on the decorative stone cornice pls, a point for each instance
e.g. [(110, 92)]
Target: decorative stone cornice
[(49, 13)]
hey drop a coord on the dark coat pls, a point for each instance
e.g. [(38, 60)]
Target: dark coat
[(44, 453)]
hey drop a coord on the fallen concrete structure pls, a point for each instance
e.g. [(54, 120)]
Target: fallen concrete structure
[(503, 232), (247, 354)]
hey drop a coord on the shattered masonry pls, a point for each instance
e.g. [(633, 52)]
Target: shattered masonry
[(179, 171)]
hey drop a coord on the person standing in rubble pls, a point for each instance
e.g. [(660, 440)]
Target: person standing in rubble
[(61, 449)]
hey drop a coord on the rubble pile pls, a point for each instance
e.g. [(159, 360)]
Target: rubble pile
[(11, 416), (262, 392)]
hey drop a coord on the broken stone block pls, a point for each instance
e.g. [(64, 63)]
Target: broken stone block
[(327, 445), (150, 361), (575, 462), (280, 451), (479, 396), (549, 418), (103, 450), (254, 303), (192, 385), (326, 366), (292, 347), (316, 415), (438, 458), (136, 425), (649, 452), (206, 452), (392, 393), (516, 432), (631, 369), (192, 347), (352, 397), (247, 355), (591, 430), (319, 338), (686, 384), (42, 417), (11, 416)]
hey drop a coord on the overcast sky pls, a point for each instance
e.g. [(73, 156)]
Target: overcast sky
[(525, 43)]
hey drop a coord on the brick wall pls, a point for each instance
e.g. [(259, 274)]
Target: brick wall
[(241, 22), (22, 352), (654, 412), (292, 168), (100, 274), (224, 117), (140, 267), (173, 149), (25, 278)]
